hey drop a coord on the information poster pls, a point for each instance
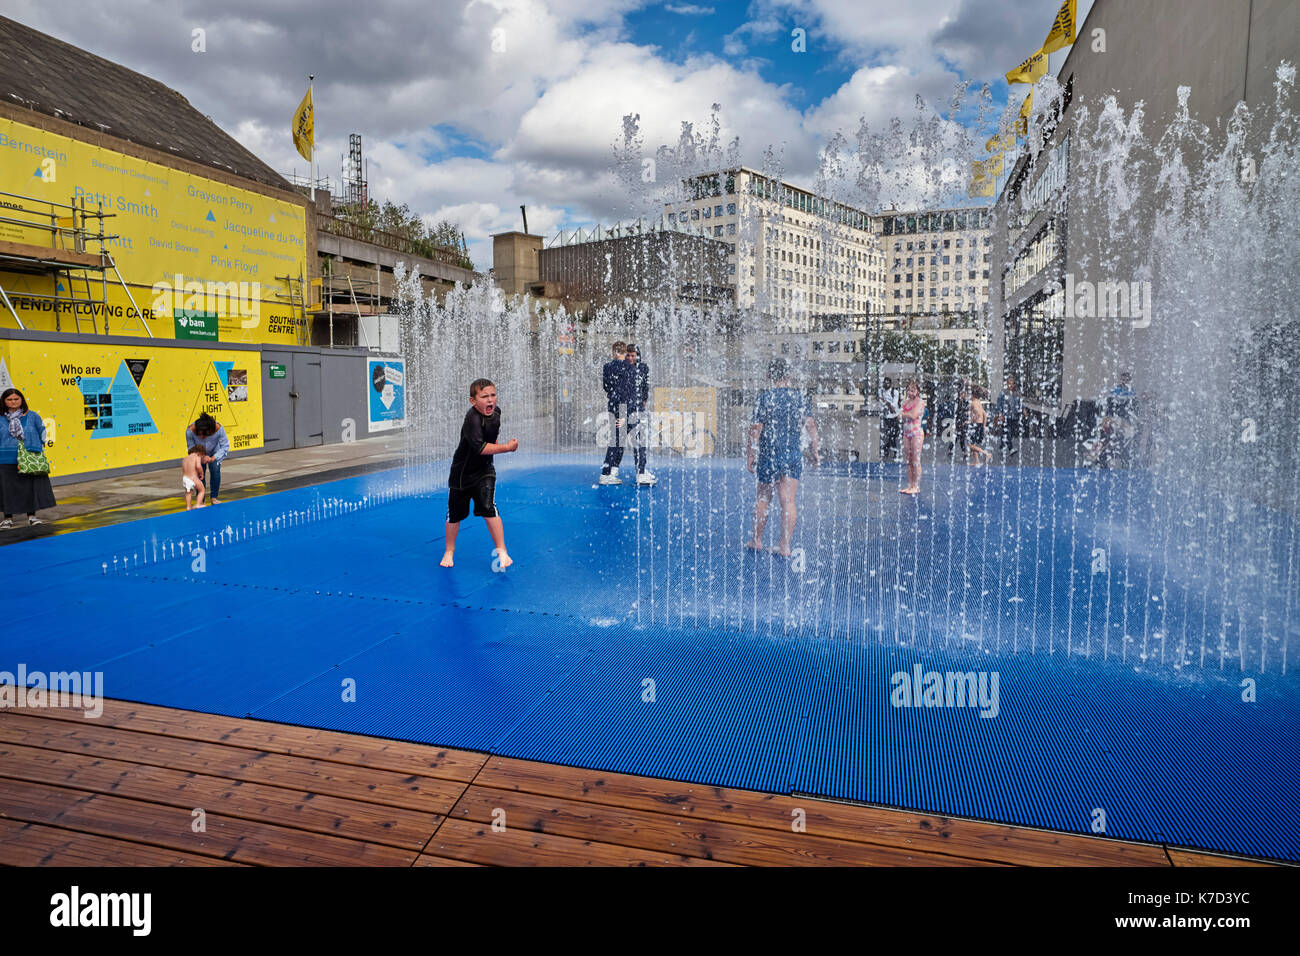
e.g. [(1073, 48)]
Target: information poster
[(116, 406), (188, 247), (386, 391)]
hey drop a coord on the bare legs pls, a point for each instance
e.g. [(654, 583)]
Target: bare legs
[(785, 488), (499, 539), (761, 503), (912, 451), (453, 529), (495, 529)]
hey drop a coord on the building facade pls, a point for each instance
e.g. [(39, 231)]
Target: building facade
[(792, 256), (1071, 230)]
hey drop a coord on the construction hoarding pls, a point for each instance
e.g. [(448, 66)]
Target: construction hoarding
[(120, 405), (202, 259)]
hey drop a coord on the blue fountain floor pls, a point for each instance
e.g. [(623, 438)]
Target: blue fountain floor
[(635, 634)]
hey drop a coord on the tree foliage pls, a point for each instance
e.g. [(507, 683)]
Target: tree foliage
[(445, 239), (933, 358)]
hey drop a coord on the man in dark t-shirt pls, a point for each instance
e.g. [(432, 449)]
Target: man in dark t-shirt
[(779, 420), (638, 418), (473, 477), (616, 378)]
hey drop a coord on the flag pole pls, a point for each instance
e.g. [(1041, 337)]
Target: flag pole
[(311, 77)]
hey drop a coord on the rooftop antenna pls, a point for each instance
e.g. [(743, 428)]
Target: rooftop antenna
[(524, 213)]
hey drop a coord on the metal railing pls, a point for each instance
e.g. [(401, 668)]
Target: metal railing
[(346, 229)]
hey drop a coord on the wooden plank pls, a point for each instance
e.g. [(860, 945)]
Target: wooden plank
[(428, 859), (1195, 858), (396, 755), (31, 844), (693, 837), (10, 248), (467, 840), (969, 839), (250, 801), (225, 837), (411, 791)]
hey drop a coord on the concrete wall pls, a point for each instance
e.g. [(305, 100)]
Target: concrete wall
[(1225, 51)]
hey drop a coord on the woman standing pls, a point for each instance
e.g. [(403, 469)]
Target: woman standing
[(19, 492), (211, 437), (913, 436)]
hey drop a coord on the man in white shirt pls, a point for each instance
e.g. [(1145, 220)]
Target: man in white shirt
[(889, 430)]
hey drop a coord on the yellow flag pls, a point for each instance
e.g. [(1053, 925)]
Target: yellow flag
[(1001, 142), (1031, 70), (304, 127), (983, 176), (979, 187), (1027, 107), (1063, 28)]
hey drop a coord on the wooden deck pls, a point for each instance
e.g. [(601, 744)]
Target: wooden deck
[(126, 789)]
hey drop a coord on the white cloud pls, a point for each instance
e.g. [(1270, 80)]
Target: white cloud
[(541, 85)]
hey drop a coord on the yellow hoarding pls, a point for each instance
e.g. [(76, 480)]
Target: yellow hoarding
[(685, 419), (111, 406), (203, 260)]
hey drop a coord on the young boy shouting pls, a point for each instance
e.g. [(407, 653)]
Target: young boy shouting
[(473, 477), (192, 476)]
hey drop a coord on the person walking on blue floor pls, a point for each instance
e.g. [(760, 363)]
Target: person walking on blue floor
[(775, 453), (473, 476), (207, 434), (1010, 409), (616, 377), (21, 492), (638, 418)]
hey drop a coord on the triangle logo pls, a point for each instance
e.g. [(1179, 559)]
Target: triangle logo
[(211, 398), (271, 218), (5, 380), (210, 217), (137, 367), (121, 411)]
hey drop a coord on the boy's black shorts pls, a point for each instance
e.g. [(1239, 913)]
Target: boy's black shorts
[(482, 493)]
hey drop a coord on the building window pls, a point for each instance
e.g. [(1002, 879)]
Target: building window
[(695, 214), (732, 268), (947, 243), (708, 211), (945, 259), (731, 228), (717, 210), (731, 209)]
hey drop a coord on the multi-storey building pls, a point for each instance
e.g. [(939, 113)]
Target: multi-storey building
[(793, 256), (938, 262)]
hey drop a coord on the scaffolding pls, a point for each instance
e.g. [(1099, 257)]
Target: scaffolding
[(62, 231), (349, 293)]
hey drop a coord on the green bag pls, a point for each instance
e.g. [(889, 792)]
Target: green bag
[(32, 462)]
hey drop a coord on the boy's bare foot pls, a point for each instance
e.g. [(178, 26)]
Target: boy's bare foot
[(782, 549), (446, 560), (909, 491), (754, 545), (504, 560)]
